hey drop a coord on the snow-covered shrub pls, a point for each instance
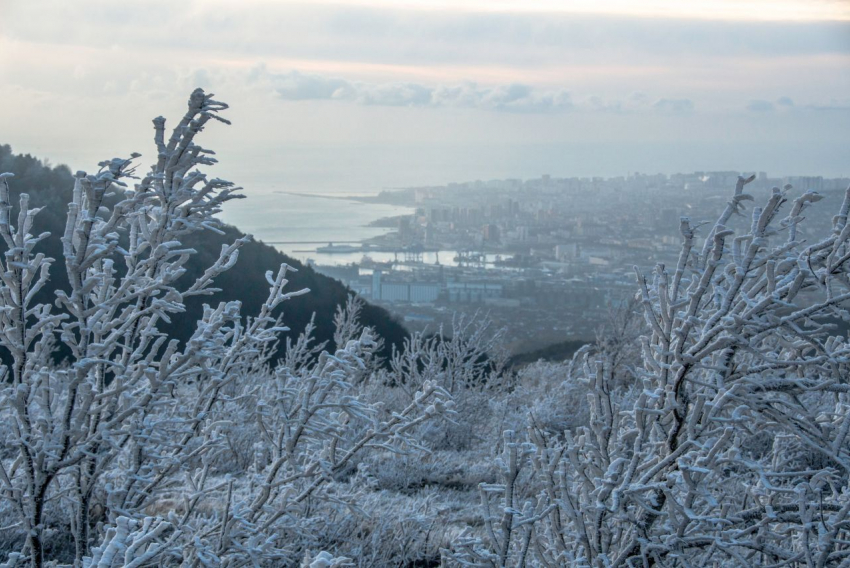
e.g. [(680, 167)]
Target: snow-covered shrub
[(469, 355), (468, 361), (446, 469), (729, 447), (548, 398), (347, 327), (129, 441), (388, 529)]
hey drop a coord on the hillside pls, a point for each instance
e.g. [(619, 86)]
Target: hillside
[(50, 187)]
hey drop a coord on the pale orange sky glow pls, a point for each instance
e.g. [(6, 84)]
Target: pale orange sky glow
[(747, 10)]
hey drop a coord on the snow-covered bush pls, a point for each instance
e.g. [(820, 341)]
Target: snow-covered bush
[(469, 355), (468, 361), (130, 437), (729, 447), (548, 398)]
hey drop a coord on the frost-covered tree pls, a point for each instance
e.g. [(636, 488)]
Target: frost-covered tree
[(730, 446), (126, 438)]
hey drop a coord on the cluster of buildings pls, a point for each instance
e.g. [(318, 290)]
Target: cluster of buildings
[(548, 256)]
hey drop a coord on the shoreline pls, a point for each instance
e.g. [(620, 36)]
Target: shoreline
[(382, 198)]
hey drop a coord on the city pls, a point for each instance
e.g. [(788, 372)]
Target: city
[(551, 257)]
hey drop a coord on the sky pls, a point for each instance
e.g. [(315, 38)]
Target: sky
[(359, 95)]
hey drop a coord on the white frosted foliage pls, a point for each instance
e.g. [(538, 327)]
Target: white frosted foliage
[(727, 444), (126, 440)]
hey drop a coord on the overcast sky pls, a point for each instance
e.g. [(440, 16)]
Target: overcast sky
[(358, 95)]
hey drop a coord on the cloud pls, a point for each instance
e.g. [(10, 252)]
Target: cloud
[(393, 94), (639, 98), (600, 104), (783, 104), (637, 102), (512, 97), (515, 97), (674, 106), (295, 86)]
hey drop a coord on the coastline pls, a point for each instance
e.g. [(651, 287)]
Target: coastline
[(398, 197)]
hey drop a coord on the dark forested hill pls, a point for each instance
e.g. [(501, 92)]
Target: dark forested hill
[(50, 187)]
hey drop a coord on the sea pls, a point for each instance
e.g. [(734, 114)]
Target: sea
[(297, 223)]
